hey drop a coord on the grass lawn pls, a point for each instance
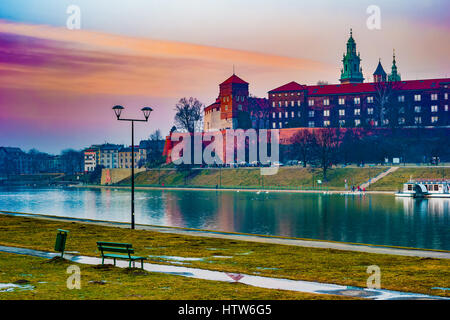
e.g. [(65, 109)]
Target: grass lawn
[(395, 180), (295, 177), (49, 278), (323, 265)]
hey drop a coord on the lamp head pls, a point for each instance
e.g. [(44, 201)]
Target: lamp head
[(118, 111), (146, 111)]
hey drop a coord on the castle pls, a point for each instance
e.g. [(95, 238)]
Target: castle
[(386, 102)]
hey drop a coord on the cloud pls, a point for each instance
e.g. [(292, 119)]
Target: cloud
[(87, 62)]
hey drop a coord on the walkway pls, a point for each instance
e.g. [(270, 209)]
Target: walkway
[(411, 252), (378, 177), (256, 281)]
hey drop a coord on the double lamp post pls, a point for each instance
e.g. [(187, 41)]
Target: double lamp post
[(146, 111)]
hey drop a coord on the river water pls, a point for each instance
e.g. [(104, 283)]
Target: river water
[(371, 219)]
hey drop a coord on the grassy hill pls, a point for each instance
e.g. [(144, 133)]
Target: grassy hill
[(287, 177), (395, 180)]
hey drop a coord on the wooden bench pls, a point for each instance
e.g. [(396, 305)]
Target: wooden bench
[(125, 248)]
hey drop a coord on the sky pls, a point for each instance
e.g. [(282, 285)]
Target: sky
[(57, 86)]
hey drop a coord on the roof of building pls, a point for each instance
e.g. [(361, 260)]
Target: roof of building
[(234, 79), (291, 86), (353, 88), (379, 71)]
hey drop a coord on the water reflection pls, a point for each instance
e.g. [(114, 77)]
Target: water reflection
[(375, 219)]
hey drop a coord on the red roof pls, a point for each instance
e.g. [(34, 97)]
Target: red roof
[(291, 86), (234, 79), (350, 88)]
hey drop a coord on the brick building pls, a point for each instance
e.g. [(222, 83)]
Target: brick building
[(386, 102)]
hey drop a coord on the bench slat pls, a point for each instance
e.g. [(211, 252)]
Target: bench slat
[(113, 249), (114, 244), (121, 256)]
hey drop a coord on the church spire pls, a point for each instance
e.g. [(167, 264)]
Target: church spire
[(394, 76), (351, 71)]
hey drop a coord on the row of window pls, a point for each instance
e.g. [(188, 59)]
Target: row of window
[(238, 98), (357, 122), (356, 100)]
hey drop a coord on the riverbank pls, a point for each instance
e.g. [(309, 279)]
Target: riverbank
[(401, 273), (292, 179)]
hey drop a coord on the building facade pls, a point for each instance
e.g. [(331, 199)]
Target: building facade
[(125, 157), (386, 102)]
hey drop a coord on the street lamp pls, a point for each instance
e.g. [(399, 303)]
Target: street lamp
[(146, 111)]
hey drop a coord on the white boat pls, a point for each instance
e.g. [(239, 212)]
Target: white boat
[(425, 188)]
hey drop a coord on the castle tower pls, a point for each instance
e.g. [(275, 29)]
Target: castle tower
[(394, 76), (379, 75), (351, 71), (233, 98)]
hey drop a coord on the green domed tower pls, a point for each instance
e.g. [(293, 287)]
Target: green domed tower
[(394, 76), (352, 71)]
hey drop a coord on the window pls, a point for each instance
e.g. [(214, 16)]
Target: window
[(326, 123), (292, 114), (434, 119), (446, 96), (434, 96), (401, 110), (279, 103), (417, 97), (341, 101), (446, 107), (401, 120), (292, 103), (273, 104), (417, 120), (326, 113), (357, 112), (310, 102), (434, 108), (226, 108), (286, 114), (274, 115), (369, 110), (326, 102), (369, 99), (311, 124), (299, 114), (280, 125), (357, 122), (285, 103), (298, 103), (341, 112), (401, 98), (417, 109), (342, 123), (357, 100), (240, 107), (311, 113), (279, 114), (274, 125)]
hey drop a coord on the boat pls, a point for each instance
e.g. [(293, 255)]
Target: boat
[(425, 188)]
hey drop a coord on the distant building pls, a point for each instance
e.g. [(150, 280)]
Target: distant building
[(125, 157), (14, 161), (386, 102), (90, 160)]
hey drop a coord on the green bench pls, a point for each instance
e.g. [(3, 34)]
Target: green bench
[(116, 247)]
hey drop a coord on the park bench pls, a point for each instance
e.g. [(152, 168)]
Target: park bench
[(125, 248)]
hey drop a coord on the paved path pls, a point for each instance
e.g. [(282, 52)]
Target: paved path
[(378, 177), (410, 252)]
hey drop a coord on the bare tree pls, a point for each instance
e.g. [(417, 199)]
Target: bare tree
[(188, 114), (302, 145), (388, 106), (325, 147)]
